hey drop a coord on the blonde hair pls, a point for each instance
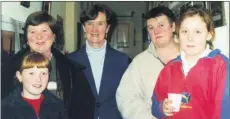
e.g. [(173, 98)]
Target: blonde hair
[(205, 16), (33, 59)]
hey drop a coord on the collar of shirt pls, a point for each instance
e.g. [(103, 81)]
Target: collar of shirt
[(186, 65)]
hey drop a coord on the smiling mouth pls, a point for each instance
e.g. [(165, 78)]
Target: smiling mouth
[(159, 37), (94, 35), (37, 85), (40, 43)]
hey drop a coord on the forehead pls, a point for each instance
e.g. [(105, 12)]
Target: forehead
[(42, 25), (162, 18), (193, 22), (100, 17), (35, 68)]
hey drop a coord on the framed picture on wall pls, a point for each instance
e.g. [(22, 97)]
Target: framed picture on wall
[(217, 12)]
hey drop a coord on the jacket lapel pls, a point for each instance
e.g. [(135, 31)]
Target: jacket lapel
[(88, 71), (105, 72)]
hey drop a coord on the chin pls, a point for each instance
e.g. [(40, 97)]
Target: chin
[(191, 53)]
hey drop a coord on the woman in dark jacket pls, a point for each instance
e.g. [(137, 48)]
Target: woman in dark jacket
[(67, 79)]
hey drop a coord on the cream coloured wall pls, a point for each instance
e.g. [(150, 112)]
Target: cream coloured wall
[(69, 12)]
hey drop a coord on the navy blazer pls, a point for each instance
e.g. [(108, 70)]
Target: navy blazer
[(115, 64)]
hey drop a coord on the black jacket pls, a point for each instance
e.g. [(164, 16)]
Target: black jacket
[(15, 107), (76, 90)]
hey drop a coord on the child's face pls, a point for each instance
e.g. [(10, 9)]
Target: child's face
[(34, 81), (193, 35)]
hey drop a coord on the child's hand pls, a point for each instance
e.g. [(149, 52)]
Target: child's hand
[(167, 108)]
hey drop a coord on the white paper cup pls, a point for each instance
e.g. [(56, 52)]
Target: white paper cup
[(176, 101)]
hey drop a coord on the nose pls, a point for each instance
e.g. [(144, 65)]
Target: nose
[(38, 36), (190, 37), (157, 30), (95, 29), (38, 78)]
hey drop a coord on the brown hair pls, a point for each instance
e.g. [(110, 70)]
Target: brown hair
[(205, 16), (34, 59)]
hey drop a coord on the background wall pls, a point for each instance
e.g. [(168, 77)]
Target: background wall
[(14, 16), (58, 8), (19, 12), (124, 9), (222, 33)]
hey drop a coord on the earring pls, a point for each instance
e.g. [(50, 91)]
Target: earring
[(175, 38), (105, 35)]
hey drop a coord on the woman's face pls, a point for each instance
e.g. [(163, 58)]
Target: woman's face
[(40, 38), (96, 29), (160, 30)]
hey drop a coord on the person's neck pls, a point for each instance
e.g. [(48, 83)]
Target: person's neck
[(193, 58), (34, 97), (96, 45), (168, 52), (48, 55)]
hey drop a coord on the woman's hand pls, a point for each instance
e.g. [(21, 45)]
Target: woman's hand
[(167, 108)]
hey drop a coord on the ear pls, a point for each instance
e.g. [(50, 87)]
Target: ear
[(19, 76), (83, 28), (209, 37), (173, 27), (107, 29)]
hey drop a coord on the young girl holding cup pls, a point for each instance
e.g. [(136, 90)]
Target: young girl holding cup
[(198, 78)]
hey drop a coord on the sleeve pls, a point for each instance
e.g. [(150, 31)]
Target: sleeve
[(129, 95), (160, 93), (221, 107)]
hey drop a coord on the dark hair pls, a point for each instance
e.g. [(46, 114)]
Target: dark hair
[(93, 12), (204, 15), (39, 17), (160, 10)]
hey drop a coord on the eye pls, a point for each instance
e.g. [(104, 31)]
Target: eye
[(101, 23), (44, 30), (31, 73), (161, 25), (150, 28), (44, 73), (198, 32), (184, 31), (89, 23), (31, 32)]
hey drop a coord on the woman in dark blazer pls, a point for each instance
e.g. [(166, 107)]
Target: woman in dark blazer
[(68, 79), (104, 65)]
